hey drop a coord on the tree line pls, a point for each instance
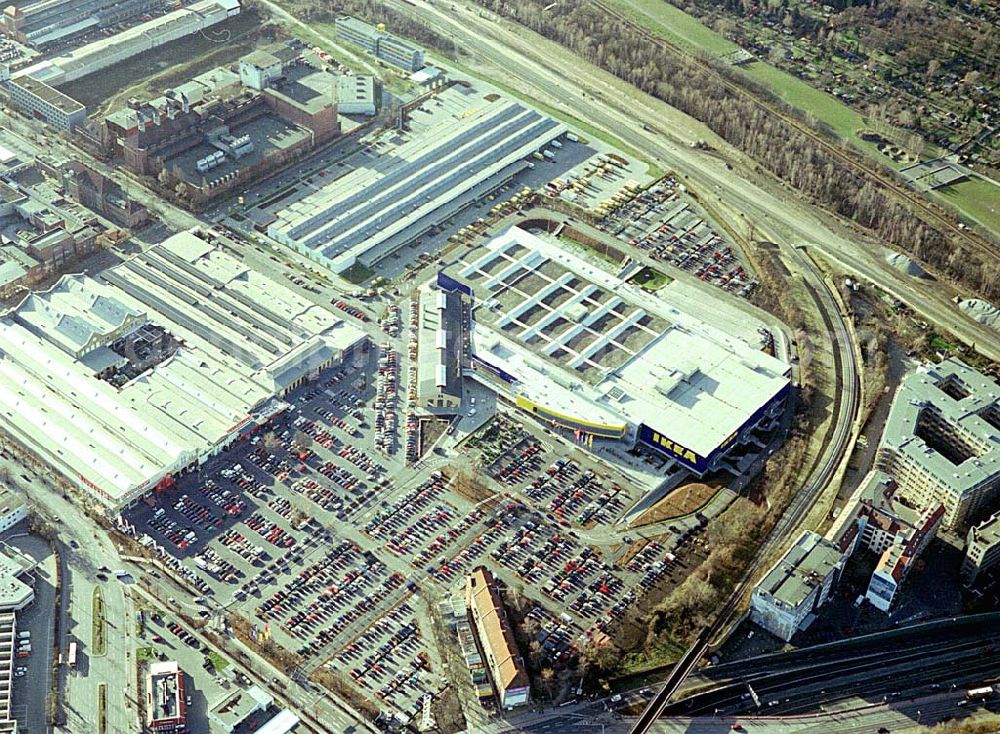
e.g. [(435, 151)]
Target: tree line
[(774, 142)]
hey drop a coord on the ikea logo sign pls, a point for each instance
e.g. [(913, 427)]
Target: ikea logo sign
[(672, 447)]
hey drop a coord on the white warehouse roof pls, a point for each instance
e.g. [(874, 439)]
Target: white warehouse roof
[(582, 343), (241, 338)]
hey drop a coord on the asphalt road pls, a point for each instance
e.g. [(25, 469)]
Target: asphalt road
[(116, 667), (550, 74), (31, 690)]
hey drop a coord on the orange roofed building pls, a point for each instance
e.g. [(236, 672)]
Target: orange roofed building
[(496, 639)]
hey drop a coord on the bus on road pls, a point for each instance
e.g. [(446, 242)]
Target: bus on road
[(72, 655)]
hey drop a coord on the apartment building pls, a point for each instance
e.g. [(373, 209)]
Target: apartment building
[(941, 442)]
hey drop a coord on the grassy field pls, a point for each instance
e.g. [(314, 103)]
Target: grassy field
[(357, 274), (676, 25), (845, 121), (651, 279), (143, 653), (148, 74), (99, 629), (978, 198)]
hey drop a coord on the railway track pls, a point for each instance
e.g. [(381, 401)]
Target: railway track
[(846, 396), (912, 198)]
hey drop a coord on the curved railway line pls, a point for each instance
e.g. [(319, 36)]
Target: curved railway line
[(845, 408), (913, 198)]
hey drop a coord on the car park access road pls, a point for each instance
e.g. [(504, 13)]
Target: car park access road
[(545, 71)]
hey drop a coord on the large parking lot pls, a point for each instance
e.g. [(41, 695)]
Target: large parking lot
[(661, 222), (310, 532)]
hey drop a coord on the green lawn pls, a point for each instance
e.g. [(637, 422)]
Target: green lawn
[(675, 25), (218, 662), (978, 198), (357, 274), (797, 93), (651, 279), (941, 344), (143, 653)]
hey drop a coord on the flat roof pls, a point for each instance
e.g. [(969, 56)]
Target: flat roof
[(311, 90), (103, 52), (803, 567), (282, 723), (9, 501), (439, 368), (232, 710), (987, 532), (584, 342), (355, 88), (463, 139), (48, 94), (260, 58), (165, 691), (242, 338), (268, 132), (14, 593), (964, 400)]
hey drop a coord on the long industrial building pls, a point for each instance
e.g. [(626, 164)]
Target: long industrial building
[(45, 22), (400, 191), (139, 39), (579, 347), (124, 382)]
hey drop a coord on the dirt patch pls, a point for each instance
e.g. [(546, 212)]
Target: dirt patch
[(682, 501), (471, 486), (431, 429), (447, 712)]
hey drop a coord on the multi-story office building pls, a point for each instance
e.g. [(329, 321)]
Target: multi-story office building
[(46, 103), (384, 46), (787, 598), (898, 558), (399, 53)]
